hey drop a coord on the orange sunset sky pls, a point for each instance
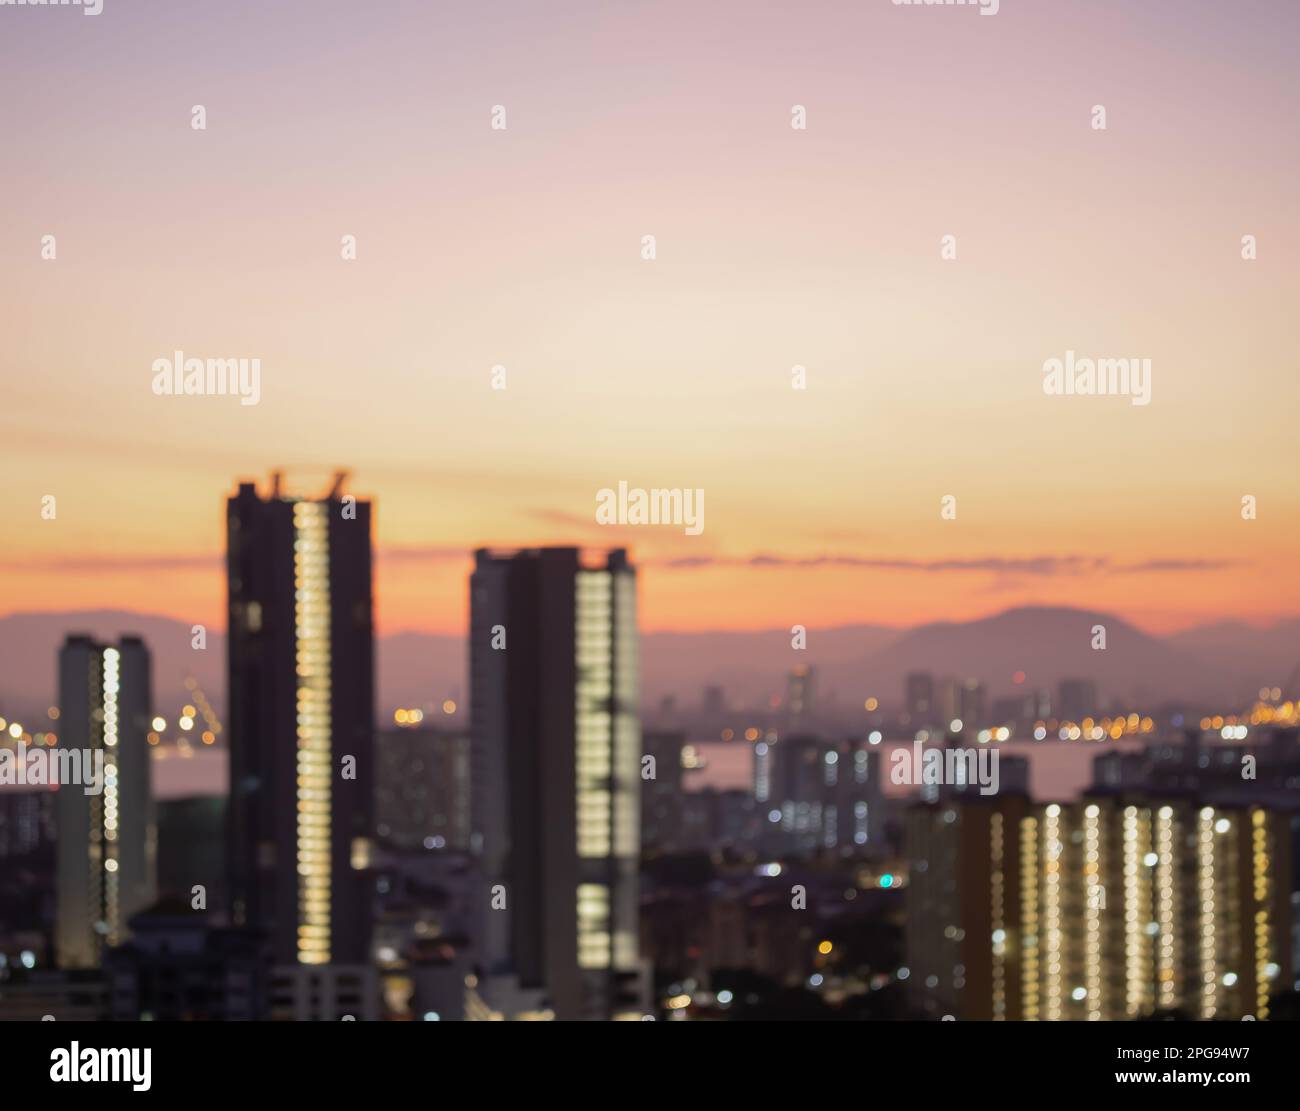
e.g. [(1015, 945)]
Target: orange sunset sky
[(775, 247)]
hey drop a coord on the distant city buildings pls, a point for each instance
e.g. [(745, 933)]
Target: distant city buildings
[(662, 798), (714, 703), (300, 720), (106, 850), (27, 824), (557, 785), (800, 691), (819, 794), (918, 699), (422, 788), (931, 704), (1078, 700), (551, 862)]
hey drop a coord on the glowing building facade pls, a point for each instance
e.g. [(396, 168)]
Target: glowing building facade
[(107, 835), (301, 713), (554, 682), (1115, 907)]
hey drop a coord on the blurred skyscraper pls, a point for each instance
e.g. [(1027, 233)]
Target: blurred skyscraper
[(715, 701), (301, 713), (800, 691), (554, 682), (918, 698), (106, 840), (1078, 700), (961, 700)]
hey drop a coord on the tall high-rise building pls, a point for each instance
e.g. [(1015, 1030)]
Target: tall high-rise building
[(948, 695), (715, 701), (960, 700), (964, 906), (554, 682), (918, 698), (301, 717), (1078, 700), (107, 839), (972, 702), (800, 686)]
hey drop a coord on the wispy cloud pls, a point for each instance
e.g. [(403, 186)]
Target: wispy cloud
[(123, 564), (1039, 566), (211, 561)]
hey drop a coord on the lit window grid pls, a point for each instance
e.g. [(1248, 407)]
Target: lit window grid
[(1092, 908), (1140, 938), (1205, 861), (997, 899), (314, 729), (1263, 948), (1052, 934), (1029, 885), (627, 719), (109, 811), (594, 946), (1169, 941), (593, 758)]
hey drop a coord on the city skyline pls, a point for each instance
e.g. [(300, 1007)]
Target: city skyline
[(656, 512)]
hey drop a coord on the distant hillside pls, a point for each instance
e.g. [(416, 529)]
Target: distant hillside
[(1049, 644), (1224, 662)]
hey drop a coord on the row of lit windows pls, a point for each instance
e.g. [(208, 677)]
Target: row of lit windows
[(314, 729), (1067, 924)]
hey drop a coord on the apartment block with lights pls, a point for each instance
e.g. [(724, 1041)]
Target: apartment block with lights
[(555, 683), (1149, 904), (301, 719), (107, 841), (963, 906), (1118, 906)]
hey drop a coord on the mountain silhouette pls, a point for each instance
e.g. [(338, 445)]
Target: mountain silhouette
[(1224, 662)]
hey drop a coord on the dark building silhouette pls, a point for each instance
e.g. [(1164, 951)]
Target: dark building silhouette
[(191, 848), (26, 823), (301, 713), (557, 788), (179, 967), (106, 829)]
